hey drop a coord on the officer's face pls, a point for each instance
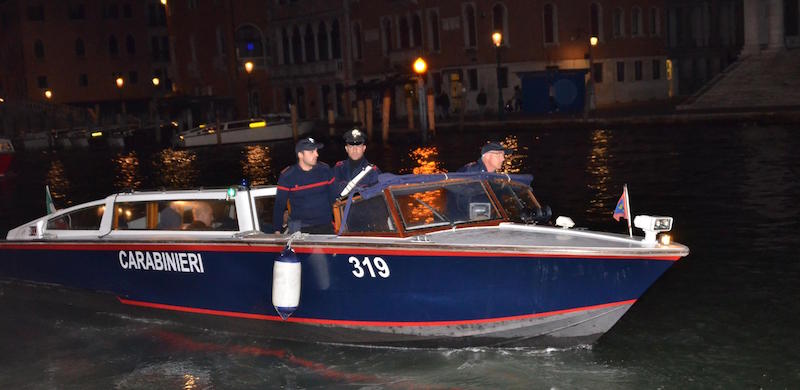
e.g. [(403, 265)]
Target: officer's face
[(493, 160), (355, 152), (308, 157)]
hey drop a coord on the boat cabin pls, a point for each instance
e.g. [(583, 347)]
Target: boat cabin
[(399, 206)]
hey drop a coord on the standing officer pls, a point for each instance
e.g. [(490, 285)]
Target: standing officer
[(308, 186), (346, 170), (492, 156)]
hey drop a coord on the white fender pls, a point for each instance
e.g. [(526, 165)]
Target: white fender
[(286, 273)]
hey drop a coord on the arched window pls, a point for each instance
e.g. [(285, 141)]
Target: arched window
[(404, 31), (618, 22), (336, 42), (416, 30), (249, 42), (499, 20), (550, 24), (113, 48), (357, 41), (285, 44), (471, 30), (297, 48), (655, 22), (38, 49), (322, 41), (596, 20), (308, 42), (387, 36), (433, 17), (80, 48), (636, 21), (130, 45)]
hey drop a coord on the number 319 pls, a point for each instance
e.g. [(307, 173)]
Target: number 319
[(379, 264)]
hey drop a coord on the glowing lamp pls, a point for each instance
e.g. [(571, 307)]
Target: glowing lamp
[(420, 66), (120, 82), (497, 38), (156, 81), (593, 41), (48, 94), (248, 67)]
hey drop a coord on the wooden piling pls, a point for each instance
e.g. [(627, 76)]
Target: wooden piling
[(361, 114), (369, 118), (431, 113), (410, 112), (386, 111), (331, 123)]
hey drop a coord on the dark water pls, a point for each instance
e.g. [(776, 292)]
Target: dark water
[(728, 316)]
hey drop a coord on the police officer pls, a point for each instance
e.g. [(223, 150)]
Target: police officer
[(308, 186), (492, 156), (346, 170)]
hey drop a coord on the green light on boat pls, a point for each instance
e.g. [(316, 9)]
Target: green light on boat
[(231, 192)]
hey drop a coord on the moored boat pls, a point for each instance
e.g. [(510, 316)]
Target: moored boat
[(271, 128), (428, 260), (6, 155)]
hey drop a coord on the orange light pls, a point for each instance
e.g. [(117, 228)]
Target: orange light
[(248, 67), (48, 94), (120, 82), (497, 38), (156, 81), (593, 41), (420, 66)]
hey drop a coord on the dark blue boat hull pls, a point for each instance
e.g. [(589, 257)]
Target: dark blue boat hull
[(430, 297)]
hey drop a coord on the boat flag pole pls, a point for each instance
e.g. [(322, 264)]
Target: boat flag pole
[(628, 210)]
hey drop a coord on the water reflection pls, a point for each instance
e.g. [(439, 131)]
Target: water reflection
[(176, 168), (599, 173), (257, 165), (515, 161), (58, 182), (426, 160), (126, 167)]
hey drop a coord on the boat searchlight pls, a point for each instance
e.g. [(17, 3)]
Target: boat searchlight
[(652, 225)]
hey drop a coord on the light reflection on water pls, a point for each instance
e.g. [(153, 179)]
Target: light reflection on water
[(516, 161), (426, 160), (257, 165), (597, 166), (126, 168), (176, 168), (59, 184)]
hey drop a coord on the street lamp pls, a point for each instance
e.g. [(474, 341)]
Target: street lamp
[(48, 94), (497, 39), (156, 81), (121, 83), (590, 105), (420, 67), (248, 67)]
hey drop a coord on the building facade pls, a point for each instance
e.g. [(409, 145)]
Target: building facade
[(58, 52), (629, 60)]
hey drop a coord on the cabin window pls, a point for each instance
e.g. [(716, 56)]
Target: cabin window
[(264, 211), (440, 205), (84, 219), (369, 215), (514, 197), (196, 214)]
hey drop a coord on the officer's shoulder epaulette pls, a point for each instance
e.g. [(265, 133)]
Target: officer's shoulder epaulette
[(470, 164), (339, 163)]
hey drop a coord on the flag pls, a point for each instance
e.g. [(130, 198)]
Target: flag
[(48, 199), (621, 211)]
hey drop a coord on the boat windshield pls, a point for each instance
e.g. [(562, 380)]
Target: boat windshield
[(516, 199), (443, 204)]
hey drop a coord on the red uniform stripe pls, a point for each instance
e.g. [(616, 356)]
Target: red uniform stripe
[(305, 187)]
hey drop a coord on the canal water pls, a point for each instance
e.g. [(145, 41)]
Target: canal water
[(727, 316)]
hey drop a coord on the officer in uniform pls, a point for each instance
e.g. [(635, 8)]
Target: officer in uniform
[(346, 170), (308, 186), (492, 156)]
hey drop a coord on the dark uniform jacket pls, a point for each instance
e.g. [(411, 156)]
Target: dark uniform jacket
[(346, 170), (475, 166), (310, 194)]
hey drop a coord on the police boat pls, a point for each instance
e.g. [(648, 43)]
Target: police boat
[(443, 260)]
